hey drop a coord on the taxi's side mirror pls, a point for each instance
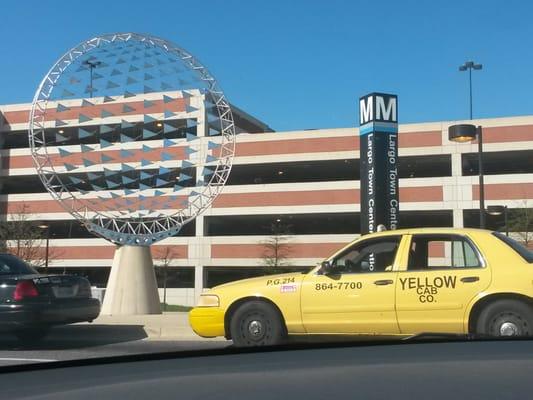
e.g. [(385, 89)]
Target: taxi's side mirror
[(326, 268)]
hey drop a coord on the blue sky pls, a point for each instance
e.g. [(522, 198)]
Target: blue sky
[(303, 64)]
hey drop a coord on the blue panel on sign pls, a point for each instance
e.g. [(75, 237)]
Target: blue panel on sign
[(109, 172), (190, 137), (125, 139), (210, 159), (83, 118), (145, 175), (60, 108), (128, 94), (148, 89), (189, 151), (127, 109), (108, 99), (146, 149), (168, 142), (106, 158), (111, 184), (167, 99), (163, 170), (159, 193), (126, 168), (125, 124), (169, 128), (127, 192), (190, 109), (169, 114), (92, 176), (147, 134), (161, 182), (105, 114), (166, 86), (147, 77), (58, 122), (126, 180), (148, 103), (191, 123), (87, 163), (186, 164), (142, 186), (145, 163), (111, 85), (184, 177), (75, 180), (166, 156), (61, 138), (85, 148), (213, 145), (130, 81), (148, 119), (115, 72)]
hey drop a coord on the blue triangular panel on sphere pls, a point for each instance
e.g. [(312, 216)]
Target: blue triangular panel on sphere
[(213, 132), (148, 103), (127, 192), (85, 148), (60, 108), (115, 196), (106, 158), (126, 168), (167, 99), (169, 128), (147, 134), (126, 180), (166, 156), (189, 151), (128, 94), (92, 176), (191, 123), (168, 142), (163, 171), (145, 175), (105, 114), (125, 153), (213, 145), (108, 99), (186, 164), (84, 133), (69, 167), (210, 158), (64, 153), (177, 187), (98, 188), (75, 180), (105, 129), (146, 149), (61, 138), (161, 182), (58, 122), (145, 163), (148, 89), (142, 186), (207, 172), (125, 139), (190, 109), (109, 172), (87, 162), (127, 109), (158, 193), (190, 137), (83, 118), (111, 85), (104, 143), (111, 184), (125, 124), (67, 93), (169, 114), (184, 177), (148, 119)]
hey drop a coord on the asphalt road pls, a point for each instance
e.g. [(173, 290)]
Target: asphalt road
[(58, 347)]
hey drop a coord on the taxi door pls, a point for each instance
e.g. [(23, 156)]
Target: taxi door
[(440, 275), (357, 296)]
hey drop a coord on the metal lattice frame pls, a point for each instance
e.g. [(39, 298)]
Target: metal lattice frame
[(125, 230)]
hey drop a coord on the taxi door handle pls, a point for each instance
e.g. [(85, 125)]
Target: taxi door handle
[(384, 282), (468, 279)]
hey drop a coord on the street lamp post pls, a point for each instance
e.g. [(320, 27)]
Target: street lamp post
[(47, 227), (465, 133), (470, 65), (499, 210), (92, 65)]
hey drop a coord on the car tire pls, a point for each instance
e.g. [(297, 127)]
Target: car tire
[(32, 334), (256, 323), (506, 318)]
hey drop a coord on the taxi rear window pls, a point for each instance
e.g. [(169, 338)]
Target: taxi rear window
[(516, 246)]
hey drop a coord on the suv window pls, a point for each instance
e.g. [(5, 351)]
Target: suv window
[(516, 246), (441, 251), (373, 255)]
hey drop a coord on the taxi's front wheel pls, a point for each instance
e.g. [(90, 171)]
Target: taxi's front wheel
[(256, 323), (506, 318)]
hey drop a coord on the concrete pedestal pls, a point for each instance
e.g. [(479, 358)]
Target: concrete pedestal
[(132, 287)]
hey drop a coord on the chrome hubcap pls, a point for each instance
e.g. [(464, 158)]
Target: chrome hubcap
[(509, 329), (255, 328)]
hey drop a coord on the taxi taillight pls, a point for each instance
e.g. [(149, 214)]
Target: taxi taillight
[(25, 289)]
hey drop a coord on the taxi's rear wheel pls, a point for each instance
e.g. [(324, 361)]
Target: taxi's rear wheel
[(506, 318), (256, 323)]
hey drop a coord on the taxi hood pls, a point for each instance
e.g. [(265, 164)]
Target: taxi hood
[(266, 280)]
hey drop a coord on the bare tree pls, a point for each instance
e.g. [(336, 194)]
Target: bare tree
[(165, 257), (22, 237), (277, 249), (521, 222)]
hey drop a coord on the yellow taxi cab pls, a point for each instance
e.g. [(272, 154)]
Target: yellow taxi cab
[(401, 282)]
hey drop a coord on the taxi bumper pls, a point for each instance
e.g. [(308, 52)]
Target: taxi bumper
[(207, 321)]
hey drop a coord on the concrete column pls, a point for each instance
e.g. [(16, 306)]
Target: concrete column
[(198, 281), (132, 287)]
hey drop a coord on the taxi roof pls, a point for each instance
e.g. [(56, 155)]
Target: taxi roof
[(407, 231)]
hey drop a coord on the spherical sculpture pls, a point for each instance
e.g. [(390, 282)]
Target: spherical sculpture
[(132, 135)]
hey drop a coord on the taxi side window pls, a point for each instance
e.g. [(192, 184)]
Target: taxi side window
[(441, 251), (375, 255)]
